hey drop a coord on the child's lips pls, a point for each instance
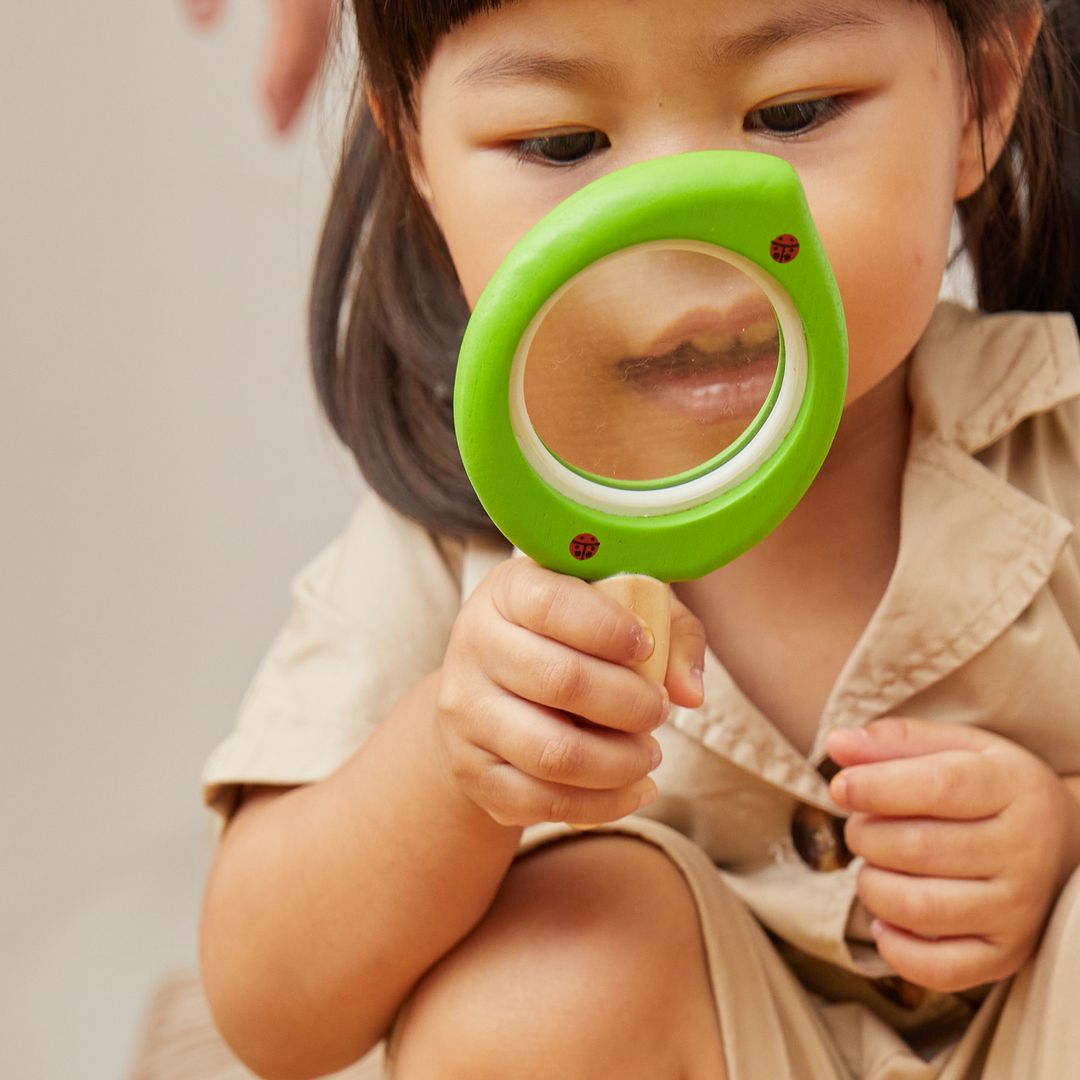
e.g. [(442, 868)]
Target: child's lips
[(710, 366), (747, 316)]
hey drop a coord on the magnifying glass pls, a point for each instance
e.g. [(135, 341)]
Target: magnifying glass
[(652, 378)]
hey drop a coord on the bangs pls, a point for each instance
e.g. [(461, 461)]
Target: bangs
[(397, 38)]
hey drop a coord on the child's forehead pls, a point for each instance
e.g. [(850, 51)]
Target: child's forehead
[(751, 23), (522, 38)]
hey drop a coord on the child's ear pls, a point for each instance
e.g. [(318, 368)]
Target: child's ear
[(1004, 66)]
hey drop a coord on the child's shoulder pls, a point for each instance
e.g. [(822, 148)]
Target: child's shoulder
[(382, 551)]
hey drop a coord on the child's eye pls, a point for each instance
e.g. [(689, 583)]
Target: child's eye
[(796, 117), (557, 150)]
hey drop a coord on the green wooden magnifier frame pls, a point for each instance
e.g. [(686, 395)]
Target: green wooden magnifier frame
[(749, 210)]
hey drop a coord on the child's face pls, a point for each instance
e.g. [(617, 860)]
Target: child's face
[(605, 83)]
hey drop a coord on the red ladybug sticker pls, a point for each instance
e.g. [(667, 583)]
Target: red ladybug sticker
[(584, 546), (784, 248)]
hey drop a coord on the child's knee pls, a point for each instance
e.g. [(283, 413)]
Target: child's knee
[(589, 963)]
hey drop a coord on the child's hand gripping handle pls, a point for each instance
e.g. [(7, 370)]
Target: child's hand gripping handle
[(650, 600)]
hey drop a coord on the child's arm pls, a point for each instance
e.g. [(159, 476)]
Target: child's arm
[(328, 902), (968, 840)]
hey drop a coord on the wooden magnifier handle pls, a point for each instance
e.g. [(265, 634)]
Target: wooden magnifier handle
[(651, 601)]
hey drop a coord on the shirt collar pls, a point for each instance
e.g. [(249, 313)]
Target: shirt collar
[(974, 377)]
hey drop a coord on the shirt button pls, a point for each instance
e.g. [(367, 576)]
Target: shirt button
[(819, 839), (818, 835)]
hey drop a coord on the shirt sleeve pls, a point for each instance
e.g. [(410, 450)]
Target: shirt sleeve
[(371, 615)]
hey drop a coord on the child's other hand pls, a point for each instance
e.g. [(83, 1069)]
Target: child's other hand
[(967, 837), (293, 53), (538, 714)]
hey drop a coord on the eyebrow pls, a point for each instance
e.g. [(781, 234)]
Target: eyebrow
[(823, 20), (521, 65)]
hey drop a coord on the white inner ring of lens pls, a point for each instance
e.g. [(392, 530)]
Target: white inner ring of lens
[(638, 502)]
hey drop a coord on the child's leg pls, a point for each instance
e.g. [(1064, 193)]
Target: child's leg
[(589, 965)]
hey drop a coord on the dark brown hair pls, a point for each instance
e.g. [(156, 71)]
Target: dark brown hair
[(387, 313)]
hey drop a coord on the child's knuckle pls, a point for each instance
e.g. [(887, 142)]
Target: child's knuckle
[(500, 585), (560, 757), (647, 711), (614, 632), (544, 604), (491, 787), (912, 844), (562, 806), (451, 701), (564, 682), (921, 909), (940, 782)]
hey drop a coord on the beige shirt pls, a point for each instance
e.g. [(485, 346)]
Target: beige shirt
[(979, 624)]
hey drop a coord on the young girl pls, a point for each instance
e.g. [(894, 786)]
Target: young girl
[(842, 841)]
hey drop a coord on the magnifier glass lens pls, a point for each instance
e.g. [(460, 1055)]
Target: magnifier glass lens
[(651, 363)]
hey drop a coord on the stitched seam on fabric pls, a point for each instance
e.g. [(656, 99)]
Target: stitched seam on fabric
[(1031, 529)]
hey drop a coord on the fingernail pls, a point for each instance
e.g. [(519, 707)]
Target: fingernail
[(697, 679), (656, 756), (645, 641), (838, 788), (877, 928), (647, 798), (667, 705)]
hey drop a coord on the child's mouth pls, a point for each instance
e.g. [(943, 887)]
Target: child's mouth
[(712, 367)]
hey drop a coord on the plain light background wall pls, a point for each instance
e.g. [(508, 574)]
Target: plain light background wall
[(163, 474)]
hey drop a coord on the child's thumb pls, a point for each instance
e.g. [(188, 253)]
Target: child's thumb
[(686, 661)]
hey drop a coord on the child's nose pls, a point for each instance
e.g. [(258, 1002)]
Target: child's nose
[(664, 139)]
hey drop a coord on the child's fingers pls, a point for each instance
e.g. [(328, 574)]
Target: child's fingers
[(950, 965), (549, 673), (512, 798), (548, 746), (924, 846), (569, 611), (955, 784), (900, 737), (934, 907), (686, 660)]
